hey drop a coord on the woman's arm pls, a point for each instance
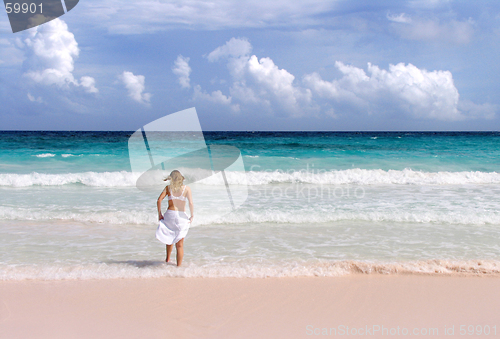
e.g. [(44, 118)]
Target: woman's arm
[(191, 205), (158, 203)]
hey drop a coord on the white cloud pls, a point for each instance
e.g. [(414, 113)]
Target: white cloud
[(52, 50), (261, 82), (235, 48), (182, 70), (89, 84), (453, 31), (402, 89), (215, 97), (246, 94), (33, 99), (141, 16), (406, 88), (401, 18), (277, 83), (135, 87)]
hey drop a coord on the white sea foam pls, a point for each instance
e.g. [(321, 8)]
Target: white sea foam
[(155, 269), (103, 179), (120, 217), (256, 217), (389, 216), (356, 177), (45, 155), (336, 177), (368, 177)]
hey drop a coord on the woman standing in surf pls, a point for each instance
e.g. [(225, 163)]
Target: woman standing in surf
[(174, 225)]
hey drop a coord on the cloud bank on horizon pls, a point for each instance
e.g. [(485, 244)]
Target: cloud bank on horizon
[(279, 65), (260, 84)]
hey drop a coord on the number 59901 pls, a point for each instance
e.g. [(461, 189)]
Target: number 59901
[(23, 8)]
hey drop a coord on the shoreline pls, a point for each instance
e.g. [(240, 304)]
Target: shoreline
[(296, 307), (157, 269)]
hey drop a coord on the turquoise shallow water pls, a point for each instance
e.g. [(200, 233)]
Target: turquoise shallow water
[(318, 204), (73, 152)]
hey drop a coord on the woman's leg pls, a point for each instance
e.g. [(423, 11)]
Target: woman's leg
[(169, 251), (179, 246)]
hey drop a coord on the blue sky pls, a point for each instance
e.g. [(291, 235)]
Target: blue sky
[(256, 65)]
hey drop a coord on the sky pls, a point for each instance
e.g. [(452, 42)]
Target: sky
[(339, 65)]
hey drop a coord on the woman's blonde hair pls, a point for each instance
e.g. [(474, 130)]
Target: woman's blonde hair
[(176, 180)]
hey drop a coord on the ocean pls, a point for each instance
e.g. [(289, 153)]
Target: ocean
[(319, 204)]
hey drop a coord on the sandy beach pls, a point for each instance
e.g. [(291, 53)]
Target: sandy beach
[(363, 305)]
